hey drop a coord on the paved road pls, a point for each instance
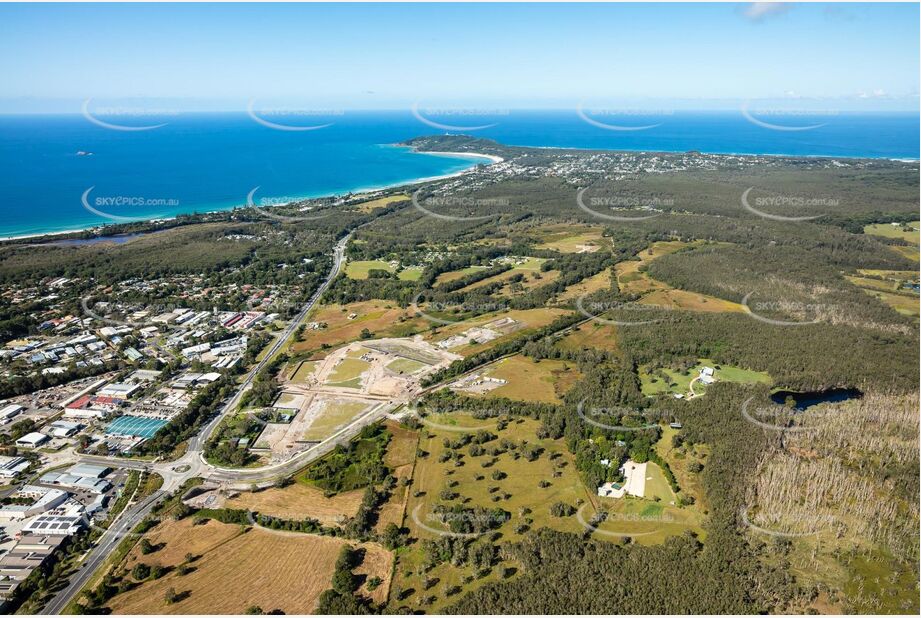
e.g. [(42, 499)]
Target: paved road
[(270, 474), (196, 443), (98, 554)]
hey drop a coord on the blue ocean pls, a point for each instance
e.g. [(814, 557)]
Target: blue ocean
[(55, 164)]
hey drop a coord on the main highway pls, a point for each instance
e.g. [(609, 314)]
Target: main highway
[(98, 554)]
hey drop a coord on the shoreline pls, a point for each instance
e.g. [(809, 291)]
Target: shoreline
[(493, 159), (776, 155), (358, 191)]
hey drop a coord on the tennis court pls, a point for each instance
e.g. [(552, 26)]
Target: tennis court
[(137, 426)]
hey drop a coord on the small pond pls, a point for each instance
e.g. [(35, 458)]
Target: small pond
[(811, 398)]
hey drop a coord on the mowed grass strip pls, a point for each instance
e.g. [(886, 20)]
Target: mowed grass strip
[(884, 285), (530, 279), (679, 459), (646, 522), (600, 281), (899, 275), (631, 280), (690, 301), (454, 275), (410, 273), (906, 251), (657, 487)]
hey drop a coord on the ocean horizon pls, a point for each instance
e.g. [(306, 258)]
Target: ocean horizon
[(151, 167)]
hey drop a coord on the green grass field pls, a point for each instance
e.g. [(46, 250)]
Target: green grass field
[(335, 415), (413, 273), (302, 372), (902, 303), (888, 286), (657, 486), (647, 522), (888, 230), (348, 373), (531, 263), (870, 283), (405, 365), (287, 400), (896, 275), (359, 269)]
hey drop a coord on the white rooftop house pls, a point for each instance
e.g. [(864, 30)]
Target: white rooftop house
[(634, 482), (707, 376), (32, 440)]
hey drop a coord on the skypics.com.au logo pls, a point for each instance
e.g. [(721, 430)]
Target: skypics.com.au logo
[(102, 206), (786, 119), (622, 520), (292, 119), (775, 202), (449, 118), (280, 201), (623, 119), (428, 205), (126, 118), (755, 310), (460, 308), (460, 523), (597, 205), (786, 524), (594, 309), (599, 416)]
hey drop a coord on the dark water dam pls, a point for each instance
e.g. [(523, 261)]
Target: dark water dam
[(808, 399)]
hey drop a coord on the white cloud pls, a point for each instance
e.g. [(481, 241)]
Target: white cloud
[(758, 11)]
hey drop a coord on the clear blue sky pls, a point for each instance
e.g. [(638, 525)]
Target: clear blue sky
[(52, 57)]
